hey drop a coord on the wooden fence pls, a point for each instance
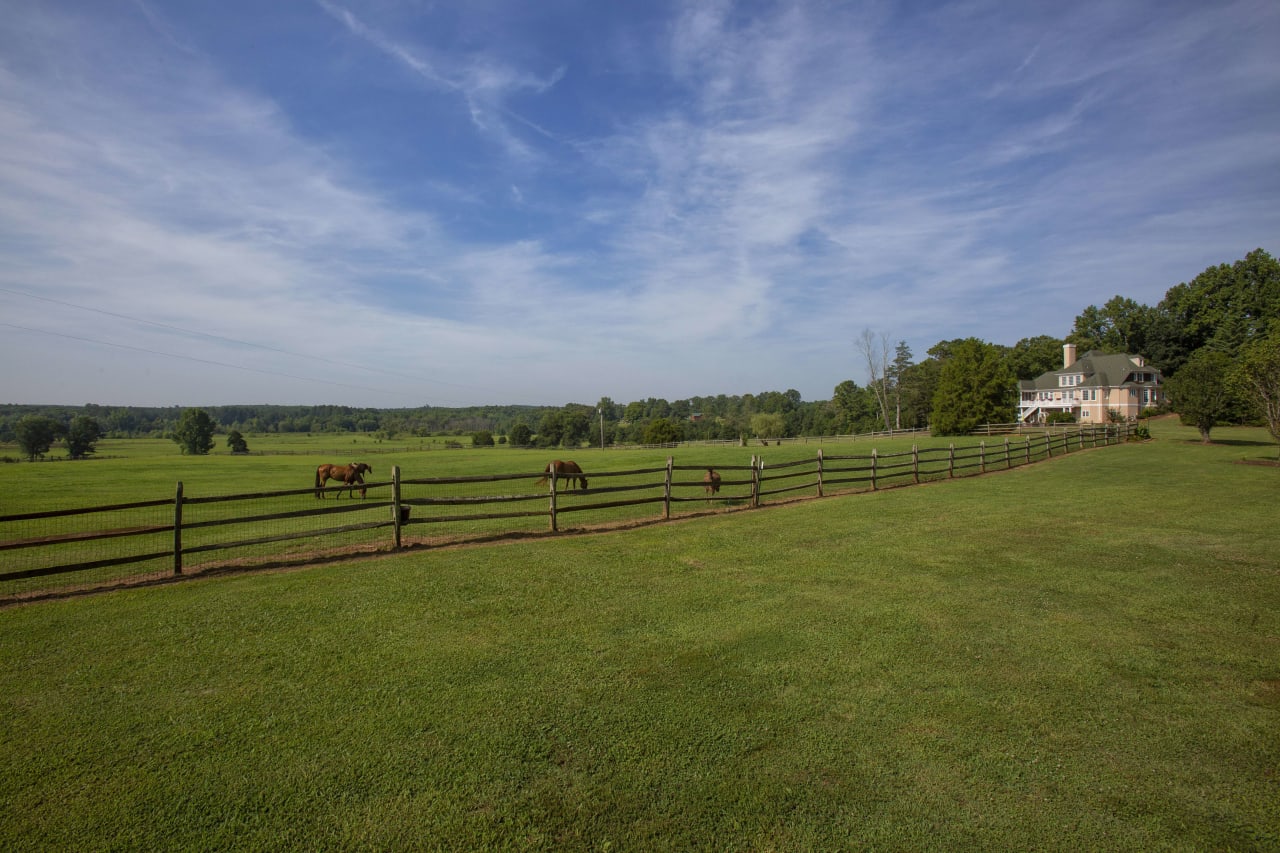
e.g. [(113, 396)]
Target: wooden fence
[(192, 533)]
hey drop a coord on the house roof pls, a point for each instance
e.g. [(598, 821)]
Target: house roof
[(1099, 370)]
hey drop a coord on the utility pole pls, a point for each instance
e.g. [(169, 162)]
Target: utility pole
[(600, 412)]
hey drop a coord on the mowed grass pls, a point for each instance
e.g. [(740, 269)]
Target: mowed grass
[(1080, 654)]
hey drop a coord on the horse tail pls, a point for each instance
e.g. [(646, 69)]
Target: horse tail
[(319, 493)]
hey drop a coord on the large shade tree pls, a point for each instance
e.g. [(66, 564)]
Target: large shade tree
[(194, 432), (662, 431), (1224, 308), (1120, 325), (1201, 391), (82, 436), (768, 425), (1031, 357), (36, 434), (1258, 376), (521, 434)]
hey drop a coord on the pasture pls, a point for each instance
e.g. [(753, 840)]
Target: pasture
[(1079, 654), (473, 495)]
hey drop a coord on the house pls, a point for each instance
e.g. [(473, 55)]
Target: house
[(1091, 386)]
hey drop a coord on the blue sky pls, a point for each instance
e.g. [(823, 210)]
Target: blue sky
[(402, 202)]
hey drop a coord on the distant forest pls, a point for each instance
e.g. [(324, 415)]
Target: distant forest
[(1221, 310)]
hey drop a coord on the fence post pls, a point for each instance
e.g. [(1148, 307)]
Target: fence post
[(915, 463), (756, 463), (177, 531), (666, 492), (553, 501), (395, 503), (1008, 463), (982, 457), (1027, 448), (874, 459), (1048, 445), (951, 460), (819, 472)]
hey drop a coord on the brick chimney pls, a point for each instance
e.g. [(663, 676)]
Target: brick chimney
[(1068, 355)]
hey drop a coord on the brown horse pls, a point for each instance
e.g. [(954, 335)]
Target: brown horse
[(351, 476), (566, 470), (711, 482)]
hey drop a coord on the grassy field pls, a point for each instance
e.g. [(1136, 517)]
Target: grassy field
[(149, 470), (1082, 654), (127, 470)]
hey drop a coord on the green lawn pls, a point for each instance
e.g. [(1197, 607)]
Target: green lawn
[(1080, 654)]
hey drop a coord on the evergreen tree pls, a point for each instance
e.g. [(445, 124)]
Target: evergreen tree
[(897, 370), (856, 408), (975, 387)]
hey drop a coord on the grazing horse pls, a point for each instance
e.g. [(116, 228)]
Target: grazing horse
[(567, 470), (351, 476), (711, 482)]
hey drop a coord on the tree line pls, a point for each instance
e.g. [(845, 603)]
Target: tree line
[(1212, 338)]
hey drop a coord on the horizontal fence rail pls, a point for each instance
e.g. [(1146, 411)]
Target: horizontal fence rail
[(122, 543)]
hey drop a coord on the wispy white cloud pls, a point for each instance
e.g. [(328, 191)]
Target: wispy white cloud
[(720, 207), (484, 84)]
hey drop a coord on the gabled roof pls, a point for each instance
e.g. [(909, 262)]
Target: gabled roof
[(1099, 371)]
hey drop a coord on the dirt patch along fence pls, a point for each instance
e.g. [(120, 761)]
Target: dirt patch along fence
[(45, 553)]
